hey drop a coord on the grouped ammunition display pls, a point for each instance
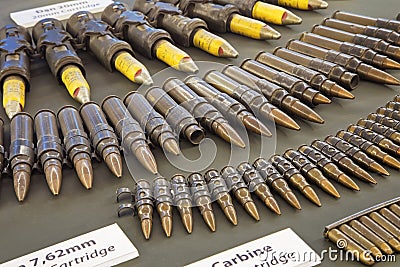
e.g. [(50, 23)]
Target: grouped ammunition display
[(129, 131), (183, 200), (227, 18), (76, 143), (202, 199), (155, 126), (294, 177), (392, 123), (275, 180), (144, 206), (220, 192), (312, 77), (208, 116), (263, 11), (393, 104), (102, 136), (349, 62), (256, 184), (54, 44), (185, 31), (15, 48), (366, 54), (381, 33), (300, 4), (253, 100), (229, 107), (274, 93), (239, 189), (387, 132), (163, 202), (388, 112), (49, 148), (376, 44), (310, 171), (333, 71), (368, 21), (178, 117), (96, 36), (22, 153), (293, 85)]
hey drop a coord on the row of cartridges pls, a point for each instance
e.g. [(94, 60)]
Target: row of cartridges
[(362, 147)]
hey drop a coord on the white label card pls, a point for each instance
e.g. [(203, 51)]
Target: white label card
[(61, 11), (281, 249), (104, 247)]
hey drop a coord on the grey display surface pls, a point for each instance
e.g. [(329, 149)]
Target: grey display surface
[(43, 220)]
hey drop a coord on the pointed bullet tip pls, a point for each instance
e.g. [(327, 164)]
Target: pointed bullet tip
[(53, 174), (252, 210), (391, 64), (291, 198), (167, 225), (83, 168), (284, 120), (171, 146), (321, 99), (209, 219), (328, 187), (187, 65), (226, 132), (348, 182), (230, 213), (379, 169), (343, 93), (146, 158), (146, 225), (114, 163), (312, 196), (271, 203), (21, 184), (256, 126), (290, 18)]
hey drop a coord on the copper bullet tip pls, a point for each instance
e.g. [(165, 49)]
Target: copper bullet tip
[(291, 198), (348, 182), (284, 120), (271, 203), (256, 126), (341, 92), (226, 132), (376, 167), (365, 176), (251, 209), (306, 113), (328, 187), (53, 174), (380, 76), (376, 252), (167, 225), (386, 248), (321, 99), (230, 213), (146, 158), (311, 195), (84, 171), (114, 163), (171, 146), (394, 243), (209, 219), (390, 64), (392, 162), (187, 220), (146, 225), (21, 184)]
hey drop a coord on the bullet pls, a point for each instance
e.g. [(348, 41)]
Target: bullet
[(54, 45), (144, 206), (380, 129), (274, 93), (102, 136), (163, 200), (202, 198), (15, 67), (129, 132), (310, 171), (368, 21), (294, 177), (227, 18), (314, 78), (372, 236), (300, 4), (239, 189), (333, 71), (395, 208), (263, 11), (349, 62), (220, 192), (386, 224), (275, 180), (380, 231), (95, 36), (370, 148), (393, 104), (179, 118), (356, 154), (376, 44), (229, 107), (134, 28), (155, 126), (253, 100), (389, 215), (49, 148), (328, 167), (366, 54), (256, 184), (338, 237), (360, 239), (343, 161), (375, 138), (76, 143), (22, 153), (388, 112), (389, 122), (184, 31), (385, 34), (293, 85), (2, 150), (206, 114), (183, 200)]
